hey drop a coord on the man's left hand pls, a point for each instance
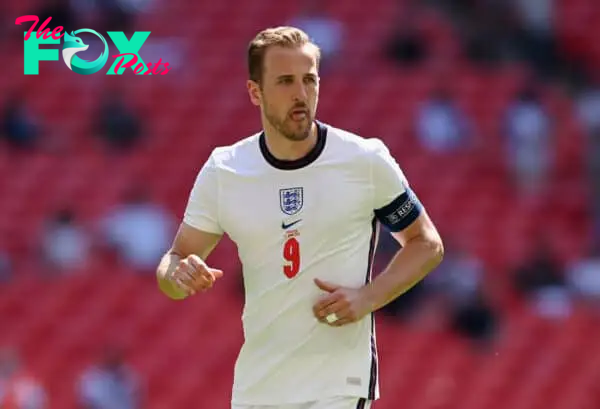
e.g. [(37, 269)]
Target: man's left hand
[(341, 305)]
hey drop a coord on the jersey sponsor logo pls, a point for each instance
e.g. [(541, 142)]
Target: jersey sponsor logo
[(291, 200), (286, 226)]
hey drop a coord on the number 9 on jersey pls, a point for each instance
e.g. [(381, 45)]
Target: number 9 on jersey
[(291, 255)]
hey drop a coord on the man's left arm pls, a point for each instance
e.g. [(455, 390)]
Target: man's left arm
[(398, 208), (421, 252)]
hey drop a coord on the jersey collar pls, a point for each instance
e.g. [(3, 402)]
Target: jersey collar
[(306, 160)]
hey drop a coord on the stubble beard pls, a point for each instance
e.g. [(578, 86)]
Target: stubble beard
[(289, 129)]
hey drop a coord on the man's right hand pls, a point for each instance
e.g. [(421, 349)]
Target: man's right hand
[(192, 275)]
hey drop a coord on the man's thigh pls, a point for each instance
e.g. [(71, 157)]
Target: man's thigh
[(330, 403)]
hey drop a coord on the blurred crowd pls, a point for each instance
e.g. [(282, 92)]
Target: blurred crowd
[(109, 384), (454, 296), (138, 230)]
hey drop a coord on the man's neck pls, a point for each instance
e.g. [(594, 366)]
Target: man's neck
[(284, 149)]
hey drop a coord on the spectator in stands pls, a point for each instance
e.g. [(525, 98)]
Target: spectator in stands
[(536, 16), (541, 281), (65, 244), (451, 297), (588, 105), (536, 38), (593, 152), (476, 320), (459, 276), (411, 307), (61, 12), (407, 45), (118, 125), (139, 230), (530, 142), (458, 283), (488, 31), (112, 384), (20, 127), (323, 29), (588, 110), (583, 278), (19, 389), (117, 15), (441, 125)]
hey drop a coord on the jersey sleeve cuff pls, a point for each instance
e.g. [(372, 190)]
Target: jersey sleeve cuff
[(204, 226), (401, 212)]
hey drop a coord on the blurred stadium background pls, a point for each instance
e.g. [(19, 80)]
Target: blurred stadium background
[(492, 108)]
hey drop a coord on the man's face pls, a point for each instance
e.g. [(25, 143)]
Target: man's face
[(290, 90)]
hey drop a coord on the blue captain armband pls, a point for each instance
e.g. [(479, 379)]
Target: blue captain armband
[(401, 212)]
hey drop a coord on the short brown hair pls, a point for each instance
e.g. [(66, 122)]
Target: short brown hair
[(284, 36)]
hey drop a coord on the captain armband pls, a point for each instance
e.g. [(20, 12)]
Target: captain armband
[(401, 212)]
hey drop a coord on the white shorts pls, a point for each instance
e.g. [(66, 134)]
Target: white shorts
[(331, 403)]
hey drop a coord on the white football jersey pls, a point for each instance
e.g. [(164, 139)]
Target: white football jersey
[(292, 222)]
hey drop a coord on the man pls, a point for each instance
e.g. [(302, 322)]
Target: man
[(301, 200)]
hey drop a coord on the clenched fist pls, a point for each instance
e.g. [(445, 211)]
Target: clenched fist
[(192, 275)]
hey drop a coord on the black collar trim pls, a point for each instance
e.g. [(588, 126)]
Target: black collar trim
[(295, 164)]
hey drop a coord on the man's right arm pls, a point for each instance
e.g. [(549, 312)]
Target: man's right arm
[(199, 232), (188, 241)]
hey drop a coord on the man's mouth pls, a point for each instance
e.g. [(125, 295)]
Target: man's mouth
[(299, 114)]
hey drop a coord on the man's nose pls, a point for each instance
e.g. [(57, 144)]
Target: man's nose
[(300, 94)]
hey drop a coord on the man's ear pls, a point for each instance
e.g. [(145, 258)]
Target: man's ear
[(254, 92)]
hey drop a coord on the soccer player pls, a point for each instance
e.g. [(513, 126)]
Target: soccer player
[(301, 200)]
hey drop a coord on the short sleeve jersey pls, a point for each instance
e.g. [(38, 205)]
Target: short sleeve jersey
[(292, 222)]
